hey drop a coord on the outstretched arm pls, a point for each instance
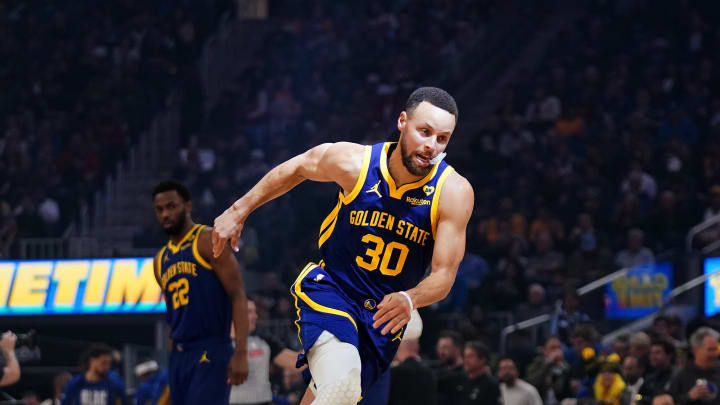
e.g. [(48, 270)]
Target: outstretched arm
[(339, 162), (456, 204)]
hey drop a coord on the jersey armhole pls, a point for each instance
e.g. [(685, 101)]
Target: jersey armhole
[(196, 252), (361, 178), (158, 262), (436, 198)]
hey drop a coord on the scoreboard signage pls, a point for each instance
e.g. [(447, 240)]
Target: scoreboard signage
[(712, 286), (88, 286)]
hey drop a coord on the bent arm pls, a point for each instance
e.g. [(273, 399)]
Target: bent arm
[(337, 162), (286, 359), (11, 371), (456, 204)]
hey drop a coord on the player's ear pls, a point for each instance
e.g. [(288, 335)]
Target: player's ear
[(402, 121), (188, 206)]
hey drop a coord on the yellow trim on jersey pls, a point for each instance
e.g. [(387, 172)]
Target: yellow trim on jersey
[(396, 192), (361, 178), (436, 198), (176, 248), (158, 262), (297, 321), (328, 225), (164, 397), (196, 252), (314, 305)]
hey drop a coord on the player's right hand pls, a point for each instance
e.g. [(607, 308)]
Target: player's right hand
[(228, 226)]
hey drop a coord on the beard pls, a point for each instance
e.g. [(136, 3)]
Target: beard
[(508, 380), (176, 226), (409, 163)]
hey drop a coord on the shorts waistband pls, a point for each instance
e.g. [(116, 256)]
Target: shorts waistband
[(194, 344)]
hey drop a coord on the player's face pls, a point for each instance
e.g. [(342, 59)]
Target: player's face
[(252, 316), (424, 134), (171, 211), (100, 365)]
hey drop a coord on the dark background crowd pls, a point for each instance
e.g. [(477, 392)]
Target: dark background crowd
[(601, 156)]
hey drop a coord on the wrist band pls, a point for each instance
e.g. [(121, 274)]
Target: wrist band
[(408, 298)]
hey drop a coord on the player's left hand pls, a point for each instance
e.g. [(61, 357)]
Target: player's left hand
[(238, 368), (393, 309)]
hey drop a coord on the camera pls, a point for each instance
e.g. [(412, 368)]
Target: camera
[(28, 339)]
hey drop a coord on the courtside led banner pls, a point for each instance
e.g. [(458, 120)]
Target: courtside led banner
[(712, 286), (642, 291), (88, 286)]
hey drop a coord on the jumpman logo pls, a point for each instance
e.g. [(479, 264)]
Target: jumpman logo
[(374, 189), (203, 358), (398, 336)]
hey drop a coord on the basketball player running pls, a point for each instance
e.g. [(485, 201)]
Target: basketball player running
[(202, 292), (398, 213)]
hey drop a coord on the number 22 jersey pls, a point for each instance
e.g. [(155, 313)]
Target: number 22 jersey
[(379, 238), (197, 305)]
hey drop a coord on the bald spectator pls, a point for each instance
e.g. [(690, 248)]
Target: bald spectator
[(663, 399), (697, 383), (514, 390), (640, 348), (632, 372), (411, 381)]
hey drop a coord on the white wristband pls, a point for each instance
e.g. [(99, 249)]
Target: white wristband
[(408, 298)]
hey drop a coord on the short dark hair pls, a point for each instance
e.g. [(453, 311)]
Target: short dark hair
[(480, 349), (433, 95), (172, 185), (667, 346), (94, 351), (586, 332), (455, 337)]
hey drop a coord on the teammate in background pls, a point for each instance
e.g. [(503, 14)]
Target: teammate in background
[(400, 211), (153, 388), (262, 350), (203, 294), (97, 385)]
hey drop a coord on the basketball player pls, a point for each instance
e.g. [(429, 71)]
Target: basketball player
[(202, 293), (401, 210)]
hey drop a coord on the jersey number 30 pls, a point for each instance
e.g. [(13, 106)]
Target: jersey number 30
[(179, 290), (379, 249)]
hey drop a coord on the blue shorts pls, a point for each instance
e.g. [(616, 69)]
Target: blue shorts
[(198, 372), (322, 305)]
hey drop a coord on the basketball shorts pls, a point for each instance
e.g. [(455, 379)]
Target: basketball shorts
[(322, 305), (198, 372)]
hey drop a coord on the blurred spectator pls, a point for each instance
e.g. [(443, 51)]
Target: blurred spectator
[(513, 390), (97, 384), (30, 398), (609, 385), (478, 387), (292, 388), (713, 208), (153, 386), (640, 184), (621, 346), (536, 304), (564, 321), (473, 268), (662, 358), (546, 262), (508, 216), (549, 372), (59, 382), (640, 343), (667, 224), (11, 367), (632, 374), (698, 381), (449, 365), (636, 253), (411, 381), (663, 399)]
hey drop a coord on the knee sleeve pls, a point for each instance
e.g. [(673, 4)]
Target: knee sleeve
[(335, 368)]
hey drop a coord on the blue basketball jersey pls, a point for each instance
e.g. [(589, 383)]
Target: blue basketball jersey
[(197, 305), (379, 238)]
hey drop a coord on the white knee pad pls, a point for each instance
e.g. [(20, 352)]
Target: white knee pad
[(335, 368)]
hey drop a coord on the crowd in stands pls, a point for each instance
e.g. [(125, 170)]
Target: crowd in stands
[(80, 80)]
